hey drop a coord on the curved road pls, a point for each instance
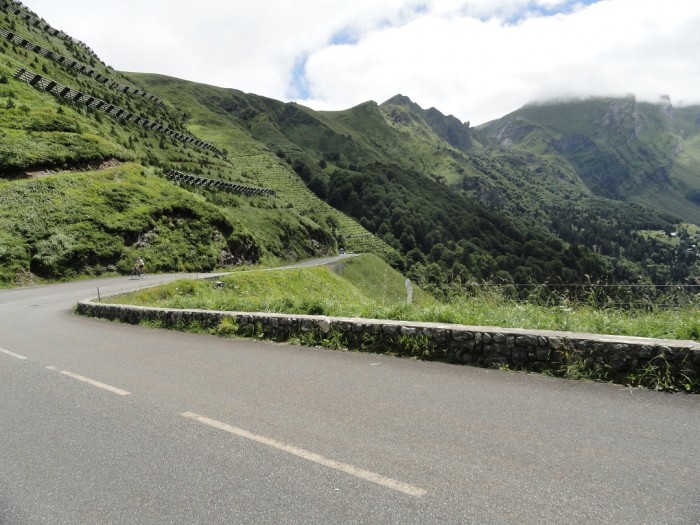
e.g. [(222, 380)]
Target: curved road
[(102, 423)]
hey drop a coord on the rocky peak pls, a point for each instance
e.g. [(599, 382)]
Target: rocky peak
[(667, 107), (622, 118)]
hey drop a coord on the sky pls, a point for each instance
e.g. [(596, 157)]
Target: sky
[(477, 60)]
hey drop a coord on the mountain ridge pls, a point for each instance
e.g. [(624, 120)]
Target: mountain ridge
[(622, 149)]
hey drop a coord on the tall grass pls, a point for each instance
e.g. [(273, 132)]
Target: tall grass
[(365, 287)]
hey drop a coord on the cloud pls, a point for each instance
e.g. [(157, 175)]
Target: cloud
[(480, 68), (477, 59)]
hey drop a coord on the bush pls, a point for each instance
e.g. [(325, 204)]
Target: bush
[(227, 327), (53, 255)]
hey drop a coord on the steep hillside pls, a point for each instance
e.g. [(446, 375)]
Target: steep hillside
[(361, 163), (66, 119), (619, 148)]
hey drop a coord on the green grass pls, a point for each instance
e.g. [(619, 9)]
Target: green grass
[(40, 132), (65, 225), (491, 309), (366, 287), (356, 287)]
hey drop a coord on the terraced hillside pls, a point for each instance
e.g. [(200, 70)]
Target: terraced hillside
[(66, 117), (204, 109)]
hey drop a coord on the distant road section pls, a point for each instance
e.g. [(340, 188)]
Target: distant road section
[(104, 423)]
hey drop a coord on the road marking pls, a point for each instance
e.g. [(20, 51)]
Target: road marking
[(89, 381), (311, 456), (12, 354)]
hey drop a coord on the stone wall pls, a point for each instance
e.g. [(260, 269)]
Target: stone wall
[(611, 358)]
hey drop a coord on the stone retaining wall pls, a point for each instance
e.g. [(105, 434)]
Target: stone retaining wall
[(606, 357)]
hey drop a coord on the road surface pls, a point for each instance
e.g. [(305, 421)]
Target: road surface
[(103, 423)]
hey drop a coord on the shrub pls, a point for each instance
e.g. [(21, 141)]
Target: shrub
[(53, 255), (227, 327)]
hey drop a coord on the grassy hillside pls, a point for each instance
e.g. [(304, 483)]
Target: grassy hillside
[(61, 226), (354, 286), (619, 148), (239, 121), (53, 145)]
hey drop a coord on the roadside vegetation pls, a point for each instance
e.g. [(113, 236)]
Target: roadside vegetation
[(366, 287)]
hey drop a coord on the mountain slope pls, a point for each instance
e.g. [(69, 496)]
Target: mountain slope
[(382, 171), (619, 148), (67, 113)]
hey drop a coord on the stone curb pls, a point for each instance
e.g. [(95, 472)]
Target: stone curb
[(534, 350)]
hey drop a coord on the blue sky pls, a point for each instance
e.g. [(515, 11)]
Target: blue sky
[(477, 59), (299, 85), (536, 9)]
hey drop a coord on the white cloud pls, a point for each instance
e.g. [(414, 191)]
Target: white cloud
[(477, 59), (483, 69)]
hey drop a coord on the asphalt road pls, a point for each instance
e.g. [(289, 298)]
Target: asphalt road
[(102, 423)]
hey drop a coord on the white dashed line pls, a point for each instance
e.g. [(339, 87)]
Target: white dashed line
[(89, 381), (311, 456), (12, 354)]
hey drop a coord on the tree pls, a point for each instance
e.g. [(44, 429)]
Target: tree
[(319, 186), (408, 242)]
